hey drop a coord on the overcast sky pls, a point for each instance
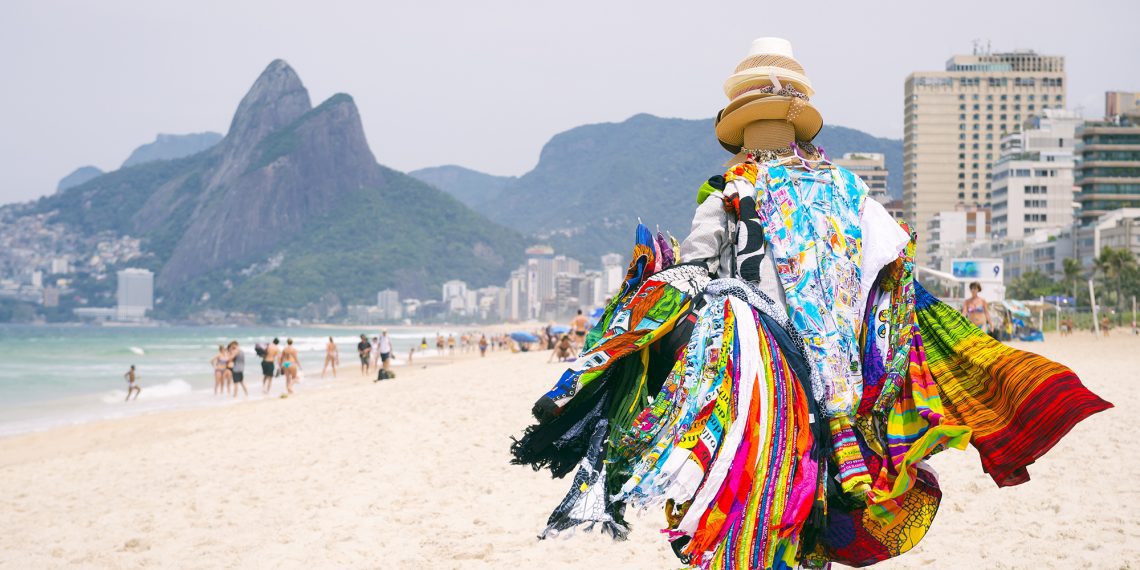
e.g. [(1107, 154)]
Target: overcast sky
[(485, 84)]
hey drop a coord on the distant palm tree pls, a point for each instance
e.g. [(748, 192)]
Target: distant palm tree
[(1114, 265), (1072, 275)]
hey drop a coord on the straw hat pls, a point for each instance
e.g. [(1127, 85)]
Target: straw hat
[(769, 84)]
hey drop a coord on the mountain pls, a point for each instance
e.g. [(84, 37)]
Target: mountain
[(168, 147), (592, 183), (288, 209), (471, 187), (77, 177)]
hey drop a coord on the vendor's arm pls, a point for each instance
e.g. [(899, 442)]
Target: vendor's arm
[(710, 227)]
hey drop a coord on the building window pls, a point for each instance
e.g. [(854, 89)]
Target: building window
[(962, 117)]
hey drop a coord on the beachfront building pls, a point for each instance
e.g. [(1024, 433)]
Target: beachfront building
[(962, 232), (613, 273), (1118, 103), (1108, 166), (388, 301), (954, 121), (1043, 251), (1118, 229), (135, 294), (1033, 180), (872, 168)]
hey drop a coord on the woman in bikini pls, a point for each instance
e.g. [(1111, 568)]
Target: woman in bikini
[(290, 364), (976, 309), (221, 364), (332, 358)]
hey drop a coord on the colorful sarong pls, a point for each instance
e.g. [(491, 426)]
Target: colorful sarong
[(1019, 404)]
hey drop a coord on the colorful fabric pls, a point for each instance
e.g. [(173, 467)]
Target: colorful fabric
[(853, 475), (915, 429), (728, 438), (811, 221), (1018, 404), (856, 538), (640, 319)]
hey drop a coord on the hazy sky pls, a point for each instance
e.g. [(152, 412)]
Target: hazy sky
[(485, 84)]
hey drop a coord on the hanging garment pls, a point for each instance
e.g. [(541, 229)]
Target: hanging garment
[(1019, 404)]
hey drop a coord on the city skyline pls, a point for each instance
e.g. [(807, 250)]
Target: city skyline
[(94, 82)]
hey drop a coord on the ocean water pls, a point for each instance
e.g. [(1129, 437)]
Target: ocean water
[(64, 375)]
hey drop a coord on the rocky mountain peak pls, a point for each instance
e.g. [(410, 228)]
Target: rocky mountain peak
[(276, 99)]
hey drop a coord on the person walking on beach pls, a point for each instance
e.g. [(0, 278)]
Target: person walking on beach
[(439, 344), (385, 348), (132, 386), (578, 328), (976, 309), (374, 351), (365, 351), (290, 364), (237, 367), (451, 344), (483, 344), (267, 365), (332, 358), (221, 364)]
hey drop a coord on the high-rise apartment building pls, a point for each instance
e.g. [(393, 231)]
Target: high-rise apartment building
[(135, 294), (1121, 103), (1108, 166), (872, 168), (954, 121), (388, 301), (1033, 179)]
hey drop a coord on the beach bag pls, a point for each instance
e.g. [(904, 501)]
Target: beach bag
[(385, 375)]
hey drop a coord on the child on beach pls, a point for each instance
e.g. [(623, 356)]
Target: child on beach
[(132, 377)]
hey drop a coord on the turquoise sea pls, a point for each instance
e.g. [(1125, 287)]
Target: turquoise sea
[(63, 375)]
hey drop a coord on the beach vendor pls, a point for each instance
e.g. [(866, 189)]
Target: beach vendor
[(776, 382)]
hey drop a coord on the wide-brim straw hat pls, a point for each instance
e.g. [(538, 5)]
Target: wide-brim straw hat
[(758, 90), (803, 116)]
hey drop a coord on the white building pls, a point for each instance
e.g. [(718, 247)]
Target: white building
[(1118, 229), (1043, 251), (388, 301), (956, 233), (136, 294), (613, 273), (1033, 180)]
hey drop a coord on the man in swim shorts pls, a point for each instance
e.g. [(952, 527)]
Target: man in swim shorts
[(578, 328), (267, 361), (131, 385)]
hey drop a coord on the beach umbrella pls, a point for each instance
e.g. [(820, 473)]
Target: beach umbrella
[(523, 337), (559, 329)]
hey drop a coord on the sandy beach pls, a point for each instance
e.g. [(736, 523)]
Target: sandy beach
[(414, 473)]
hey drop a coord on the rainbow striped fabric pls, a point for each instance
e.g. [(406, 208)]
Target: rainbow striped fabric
[(1019, 404)]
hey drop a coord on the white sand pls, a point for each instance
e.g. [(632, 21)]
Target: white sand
[(414, 473)]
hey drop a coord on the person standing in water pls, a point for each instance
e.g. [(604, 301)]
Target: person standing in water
[(132, 378), (976, 309), (332, 357), (237, 367), (267, 365), (290, 364), (221, 364)]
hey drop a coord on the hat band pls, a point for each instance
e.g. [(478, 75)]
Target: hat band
[(787, 90), (769, 60)]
